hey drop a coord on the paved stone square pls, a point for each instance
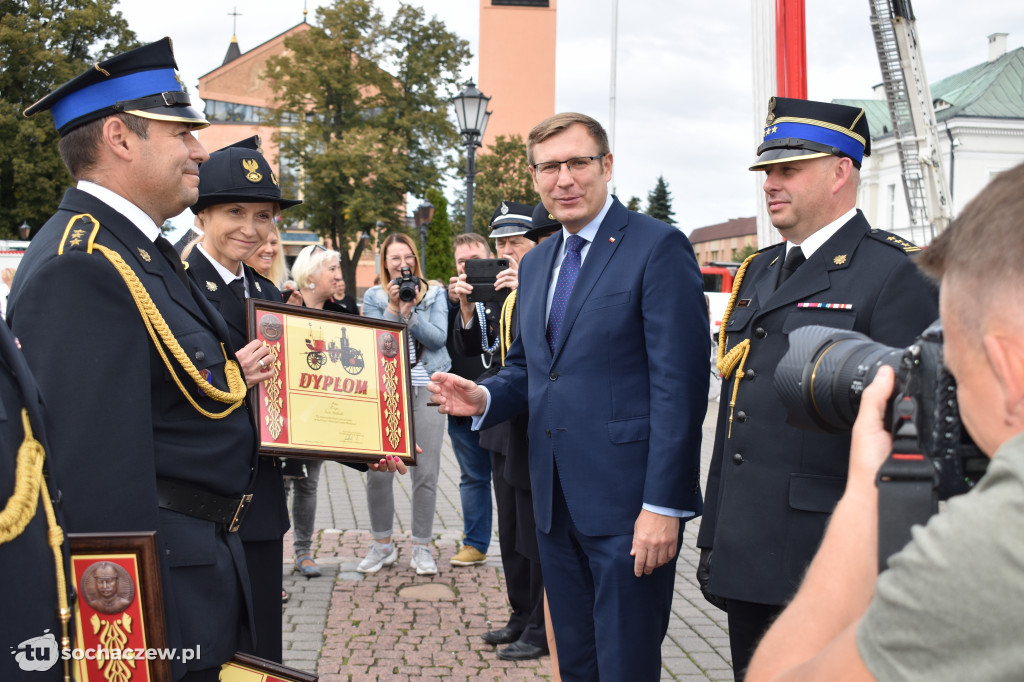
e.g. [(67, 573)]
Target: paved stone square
[(395, 625)]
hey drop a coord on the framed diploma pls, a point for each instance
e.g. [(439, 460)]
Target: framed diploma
[(340, 388), (119, 625), (246, 668)]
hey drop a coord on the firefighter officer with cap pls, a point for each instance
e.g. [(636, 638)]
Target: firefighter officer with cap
[(771, 487), (145, 396)]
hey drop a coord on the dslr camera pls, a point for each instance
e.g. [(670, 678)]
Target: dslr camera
[(823, 374), (407, 285)]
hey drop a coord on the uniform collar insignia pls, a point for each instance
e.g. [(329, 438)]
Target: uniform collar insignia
[(212, 286), (258, 288), (144, 254), (840, 259)]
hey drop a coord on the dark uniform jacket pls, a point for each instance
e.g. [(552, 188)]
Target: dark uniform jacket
[(509, 438), (267, 516), (772, 487), (28, 571), (122, 420)]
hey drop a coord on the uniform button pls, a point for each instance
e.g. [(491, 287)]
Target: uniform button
[(200, 355), (741, 416), (760, 333), (737, 459), (749, 374), (553, 376)]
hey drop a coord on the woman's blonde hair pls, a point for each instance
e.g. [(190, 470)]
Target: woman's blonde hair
[(309, 262), (279, 268)]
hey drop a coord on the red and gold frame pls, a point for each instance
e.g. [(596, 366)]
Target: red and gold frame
[(129, 618), (340, 388)]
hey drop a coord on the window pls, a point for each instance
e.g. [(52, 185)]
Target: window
[(519, 3)]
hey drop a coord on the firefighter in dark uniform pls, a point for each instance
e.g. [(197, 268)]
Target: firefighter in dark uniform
[(771, 487), (136, 368), (239, 199), (525, 633), (34, 571)]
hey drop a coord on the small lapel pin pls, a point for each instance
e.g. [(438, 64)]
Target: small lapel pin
[(840, 259), (211, 286), (611, 240)]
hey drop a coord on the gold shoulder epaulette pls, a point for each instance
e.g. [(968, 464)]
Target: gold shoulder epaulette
[(80, 234), (894, 241)]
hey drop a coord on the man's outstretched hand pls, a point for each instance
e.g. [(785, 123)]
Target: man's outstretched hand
[(457, 396)]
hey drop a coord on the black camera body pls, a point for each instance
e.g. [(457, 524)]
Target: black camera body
[(407, 285), (823, 374)]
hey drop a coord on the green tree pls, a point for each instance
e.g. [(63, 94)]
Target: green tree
[(633, 204), (44, 43), (659, 202), (502, 175), (740, 255), (439, 259), (365, 101)]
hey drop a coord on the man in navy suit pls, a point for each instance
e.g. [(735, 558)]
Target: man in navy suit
[(611, 362)]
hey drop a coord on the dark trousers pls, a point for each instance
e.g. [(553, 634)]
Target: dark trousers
[(608, 623), (263, 560), (523, 576), (748, 622)]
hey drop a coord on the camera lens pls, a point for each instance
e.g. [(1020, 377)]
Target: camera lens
[(821, 377)]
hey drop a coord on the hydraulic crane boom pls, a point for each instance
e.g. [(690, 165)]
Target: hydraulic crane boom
[(913, 116)]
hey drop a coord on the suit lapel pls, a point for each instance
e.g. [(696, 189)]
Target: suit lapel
[(538, 312), (216, 292), (607, 239)]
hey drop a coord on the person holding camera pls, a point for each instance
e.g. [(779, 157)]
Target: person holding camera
[(947, 606), (471, 362), (515, 233), (403, 296), (771, 487)]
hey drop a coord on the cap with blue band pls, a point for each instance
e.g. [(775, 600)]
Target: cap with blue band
[(798, 129), (142, 82)]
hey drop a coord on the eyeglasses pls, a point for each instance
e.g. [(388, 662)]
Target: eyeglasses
[(398, 260), (574, 165)]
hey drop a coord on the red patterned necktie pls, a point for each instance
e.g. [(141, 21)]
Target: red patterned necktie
[(563, 287)]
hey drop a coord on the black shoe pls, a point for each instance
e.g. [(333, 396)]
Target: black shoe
[(521, 651), (506, 635)]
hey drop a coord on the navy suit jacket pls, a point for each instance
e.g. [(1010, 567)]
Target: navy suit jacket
[(620, 404)]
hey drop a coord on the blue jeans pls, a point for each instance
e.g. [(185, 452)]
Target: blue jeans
[(474, 484)]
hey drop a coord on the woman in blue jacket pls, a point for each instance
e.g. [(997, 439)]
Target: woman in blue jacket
[(426, 314)]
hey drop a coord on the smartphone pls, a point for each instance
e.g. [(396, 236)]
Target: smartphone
[(480, 274)]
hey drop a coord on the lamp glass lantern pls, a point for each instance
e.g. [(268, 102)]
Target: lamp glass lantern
[(471, 111)]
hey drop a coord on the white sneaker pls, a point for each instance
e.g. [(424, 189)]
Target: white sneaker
[(379, 556), (422, 560)]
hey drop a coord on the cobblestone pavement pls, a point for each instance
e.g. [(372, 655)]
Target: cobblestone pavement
[(395, 625)]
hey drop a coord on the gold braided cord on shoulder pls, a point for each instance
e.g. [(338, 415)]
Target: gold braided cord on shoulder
[(505, 324), (163, 337), (727, 362), (20, 509), (28, 479)]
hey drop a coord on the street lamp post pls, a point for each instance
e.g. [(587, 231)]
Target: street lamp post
[(24, 230), (471, 112), (423, 215)]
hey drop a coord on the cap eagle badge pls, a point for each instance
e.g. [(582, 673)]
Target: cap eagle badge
[(253, 167)]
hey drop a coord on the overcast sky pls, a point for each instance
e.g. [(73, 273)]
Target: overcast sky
[(683, 101)]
